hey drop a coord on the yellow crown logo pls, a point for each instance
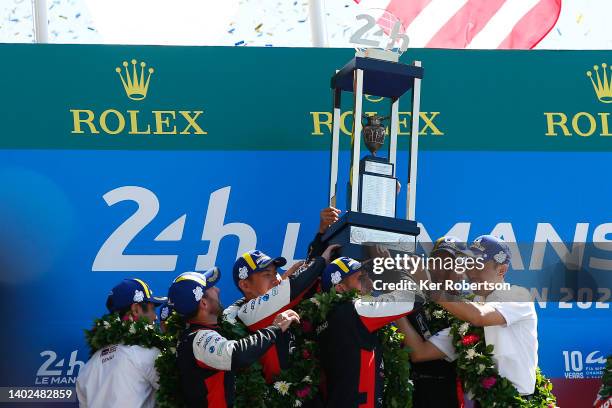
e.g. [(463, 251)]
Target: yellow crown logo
[(135, 85), (603, 89)]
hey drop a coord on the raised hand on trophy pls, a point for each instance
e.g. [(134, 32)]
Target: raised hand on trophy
[(328, 216), (296, 266), (331, 252)]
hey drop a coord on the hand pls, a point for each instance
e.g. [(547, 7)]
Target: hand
[(285, 319), (418, 274), (327, 254), (380, 251), (327, 217), (293, 268)]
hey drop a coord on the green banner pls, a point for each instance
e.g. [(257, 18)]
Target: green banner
[(194, 98)]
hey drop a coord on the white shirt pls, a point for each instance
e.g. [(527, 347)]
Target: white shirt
[(119, 376), (515, 345)]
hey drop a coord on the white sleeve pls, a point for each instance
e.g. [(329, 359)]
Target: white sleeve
[(443, 341), (213, 350), (514, 311), (81, 394), (377, 312), (260, 312), (230, 313), (143, 359), (148, 368)]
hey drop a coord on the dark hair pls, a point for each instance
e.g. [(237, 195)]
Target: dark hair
[(122, 312), (109, 304)]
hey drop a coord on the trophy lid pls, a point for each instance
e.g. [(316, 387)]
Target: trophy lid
[(381, 78)]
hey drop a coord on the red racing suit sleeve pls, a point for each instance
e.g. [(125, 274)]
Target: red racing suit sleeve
[(377, 312)]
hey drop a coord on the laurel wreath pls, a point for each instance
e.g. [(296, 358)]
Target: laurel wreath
[(112, 329), (298, 384), (438, 318), (169, 393), (476, 368)]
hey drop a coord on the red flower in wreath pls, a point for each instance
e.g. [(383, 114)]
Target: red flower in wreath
[(470, 339), (304, 392), (488, 382), (306, 326), (306, 354)]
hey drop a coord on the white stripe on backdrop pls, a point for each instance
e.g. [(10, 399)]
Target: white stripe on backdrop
[(501, 24)]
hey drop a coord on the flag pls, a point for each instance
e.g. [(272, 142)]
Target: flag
[(480, 24)]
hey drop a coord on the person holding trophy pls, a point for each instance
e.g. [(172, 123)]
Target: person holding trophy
[(508, 317), (350, 349), (327, 218), (351, 353), (266, 294), (435, 380)]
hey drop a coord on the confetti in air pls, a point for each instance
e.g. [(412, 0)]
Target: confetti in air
[(286, 23)]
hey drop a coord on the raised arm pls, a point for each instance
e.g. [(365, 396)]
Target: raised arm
[(327, 217), (212, 350), (420, 350), (475, 313), (382, 310), (300, 282)]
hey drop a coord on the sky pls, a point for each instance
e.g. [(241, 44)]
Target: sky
[(583, 24)]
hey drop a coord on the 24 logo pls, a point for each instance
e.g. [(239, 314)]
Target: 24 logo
[(112, 254), (54, 371)]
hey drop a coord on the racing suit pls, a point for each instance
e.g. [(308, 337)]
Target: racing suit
[(206, 362), (260, 312), (351, 353)]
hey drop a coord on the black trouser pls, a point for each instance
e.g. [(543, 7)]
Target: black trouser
[(316, 402), (435, 393)]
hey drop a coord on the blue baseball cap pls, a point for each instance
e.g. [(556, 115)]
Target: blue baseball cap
[(337, 270), (130, 291), (164, 312), (490, 248), (450, 244), (252, 262), (188, 288)]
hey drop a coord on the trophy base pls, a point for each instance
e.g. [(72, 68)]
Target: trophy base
[(355, 230)]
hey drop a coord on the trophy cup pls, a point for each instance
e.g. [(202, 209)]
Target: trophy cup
[(373, 187)]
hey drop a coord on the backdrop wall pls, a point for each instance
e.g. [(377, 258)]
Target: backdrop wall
[(228, 150)]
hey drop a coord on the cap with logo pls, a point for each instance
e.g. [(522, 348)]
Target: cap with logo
[(450, 244), (164, 312), (337, 270), (489, 247), (252, 262), (188, 288), (130, 291)]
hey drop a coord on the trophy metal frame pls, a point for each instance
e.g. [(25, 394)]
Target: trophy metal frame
[(382, 77)]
